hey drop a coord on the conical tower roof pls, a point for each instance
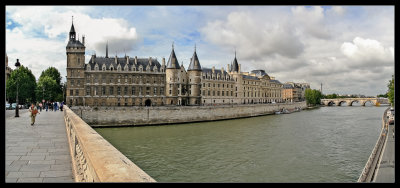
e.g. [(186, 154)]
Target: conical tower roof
[(173, 61), (194, 62), (235, 65)]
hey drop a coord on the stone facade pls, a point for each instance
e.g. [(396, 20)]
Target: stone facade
[(126, 81), (122, 116), (8, 69)]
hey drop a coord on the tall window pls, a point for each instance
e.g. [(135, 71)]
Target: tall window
[(133, 90), (147, 90), (111, 90), (155, 91), (118, 90), (87, 90)]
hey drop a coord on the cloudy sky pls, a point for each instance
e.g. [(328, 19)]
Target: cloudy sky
[(349, 49)]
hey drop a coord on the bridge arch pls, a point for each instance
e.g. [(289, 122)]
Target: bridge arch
[(372, 102), (340, 103), (353, 101), (331, 103)]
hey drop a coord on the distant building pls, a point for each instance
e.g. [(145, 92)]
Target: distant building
[(8, 69), (126, 81), (294, 92)]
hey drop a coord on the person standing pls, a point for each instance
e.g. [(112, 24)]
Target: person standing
[(33, 110), (61, 106), (40, 106)]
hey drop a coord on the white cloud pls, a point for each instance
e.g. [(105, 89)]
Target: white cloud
[(40, 41), (252, 39), (30, 51), (311, 21), (367, 53)]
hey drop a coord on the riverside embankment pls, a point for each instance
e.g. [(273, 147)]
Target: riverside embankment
[(138, 116)]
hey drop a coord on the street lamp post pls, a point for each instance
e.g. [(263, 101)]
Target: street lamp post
[(17, 64)]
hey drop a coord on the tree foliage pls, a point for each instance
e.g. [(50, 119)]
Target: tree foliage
[(26, 85), (313, 97), (47, 88), (49, 85), (391, 91), (53, 73)]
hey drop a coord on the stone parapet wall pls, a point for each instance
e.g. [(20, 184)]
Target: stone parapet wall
[(370, 167), (94, 159), (134, 115)]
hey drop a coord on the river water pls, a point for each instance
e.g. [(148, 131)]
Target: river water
[(327, 144)]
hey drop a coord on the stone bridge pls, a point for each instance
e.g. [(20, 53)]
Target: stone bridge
[(350, 101)]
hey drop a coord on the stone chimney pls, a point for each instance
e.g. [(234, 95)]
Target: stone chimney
[(229, 68), (240, 68), (127, 59), (135, 60), (150, 61), (83, 40), (213, 69), (163, 61)]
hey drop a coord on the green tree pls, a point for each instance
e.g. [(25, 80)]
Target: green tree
[(53, 73), (47, 88), (313, 97), (26, 85), (390, 93)]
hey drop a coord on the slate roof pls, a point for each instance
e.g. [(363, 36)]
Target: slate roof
[(250, 77), (208, 71), (122, 61), (74, 44), (194, 63), (173, 61), (276, 81), (235, 65), (259, 72)]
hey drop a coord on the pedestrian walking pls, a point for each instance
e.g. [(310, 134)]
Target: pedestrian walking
[(40, 107), (33, 110), (55, 106), (46, 105), (61, 106)]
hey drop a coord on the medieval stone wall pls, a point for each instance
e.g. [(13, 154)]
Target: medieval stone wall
[(134, 115)]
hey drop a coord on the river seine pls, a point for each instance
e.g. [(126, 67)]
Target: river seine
[(327, 144)]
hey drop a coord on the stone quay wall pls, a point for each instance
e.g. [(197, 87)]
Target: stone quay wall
[(138, 116), (367, 175), (94, 159)]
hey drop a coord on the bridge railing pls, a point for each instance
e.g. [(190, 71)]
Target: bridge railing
[(94, 159), (370, 166)]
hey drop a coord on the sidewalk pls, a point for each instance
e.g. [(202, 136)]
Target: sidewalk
[(38, 153), (386, 167)]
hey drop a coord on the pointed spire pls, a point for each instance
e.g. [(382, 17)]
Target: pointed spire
[(107, 49), (235, 65), (194, 61), (173, 62), (72, 31)]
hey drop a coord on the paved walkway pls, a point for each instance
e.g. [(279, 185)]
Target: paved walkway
[(385, 171), (38, 153)]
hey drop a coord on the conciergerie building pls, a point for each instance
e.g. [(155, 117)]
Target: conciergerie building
[(133, 81)]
